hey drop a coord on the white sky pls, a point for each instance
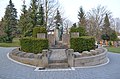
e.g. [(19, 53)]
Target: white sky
[(71, 7)]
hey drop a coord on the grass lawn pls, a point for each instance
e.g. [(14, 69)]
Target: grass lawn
[(15, 43), (114, 49)]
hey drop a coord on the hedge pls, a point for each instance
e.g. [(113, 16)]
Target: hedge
[(33, 45), (84, 43), (81, 30), (39, 30)]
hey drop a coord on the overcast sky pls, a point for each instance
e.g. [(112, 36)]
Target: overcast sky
[(71, 7)]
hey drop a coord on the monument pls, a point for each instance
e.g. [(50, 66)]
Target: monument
[(58, 33)]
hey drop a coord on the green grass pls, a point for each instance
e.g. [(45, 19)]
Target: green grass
[(114, 49), (15, 43)]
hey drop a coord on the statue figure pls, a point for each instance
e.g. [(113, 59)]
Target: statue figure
[(60, 31)]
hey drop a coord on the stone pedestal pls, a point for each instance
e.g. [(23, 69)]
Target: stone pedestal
[(51, 39), (74, 34), (66, 39), (45, 58), (70, 57), (56, 33), (41, 35)]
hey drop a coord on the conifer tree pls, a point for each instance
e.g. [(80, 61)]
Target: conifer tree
[(40, 16), (106, 26), (106, 29), (58, 18), (23, 22), (33, 12), (10, 22), (81, 17)]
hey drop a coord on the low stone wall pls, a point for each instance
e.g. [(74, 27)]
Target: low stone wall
[(75, 59), (93, 60), (27, 58)]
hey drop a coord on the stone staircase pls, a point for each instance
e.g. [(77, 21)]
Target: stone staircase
[(58, 59), (59, 45)]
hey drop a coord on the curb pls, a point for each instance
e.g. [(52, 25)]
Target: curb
[(19, 62), (67, 69)]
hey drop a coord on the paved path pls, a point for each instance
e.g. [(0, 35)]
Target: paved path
[(58, 54), (11, 70)]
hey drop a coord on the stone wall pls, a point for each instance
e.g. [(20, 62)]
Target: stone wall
[(28, 58), (91, 60)]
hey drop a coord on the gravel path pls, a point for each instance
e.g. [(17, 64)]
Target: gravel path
[(11, 70)]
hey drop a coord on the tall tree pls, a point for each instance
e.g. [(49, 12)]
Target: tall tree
[(40, 16), (81, 17), (51, 7), (106, 27), (10, 21), (95, 21), (31, 18), (33, 12), (1, 27), (24, 20), (58, 18)]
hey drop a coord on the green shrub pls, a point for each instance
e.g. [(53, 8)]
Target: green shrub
[(81, 30), (39, 30), (5, 39), (33, 45), (84, 43)]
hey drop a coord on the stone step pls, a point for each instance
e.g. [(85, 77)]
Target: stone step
[(58, 65), (58, 61)]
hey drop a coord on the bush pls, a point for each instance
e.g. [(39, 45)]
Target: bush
[(5, 39), (113, 36), (33, 45), (81, 30), (105, 37), (84, 43), (39, 30)]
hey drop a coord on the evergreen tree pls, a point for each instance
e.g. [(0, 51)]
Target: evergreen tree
[(106, 26), (35, 16), (40, 16), (113, 35), (10, 21), (58, 19), (31, 18), (24, 21), (81, 17), (106, 29), (33, 12), (1, 27)]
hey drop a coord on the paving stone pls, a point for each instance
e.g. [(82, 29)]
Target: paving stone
[(12, 70)]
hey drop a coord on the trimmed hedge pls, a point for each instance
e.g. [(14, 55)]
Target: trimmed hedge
[(81, 30), (39, 30), (84, 43), (33, 45)]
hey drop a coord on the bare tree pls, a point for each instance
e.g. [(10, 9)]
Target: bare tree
[(67, 24), (50, 7), (95, 20)]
